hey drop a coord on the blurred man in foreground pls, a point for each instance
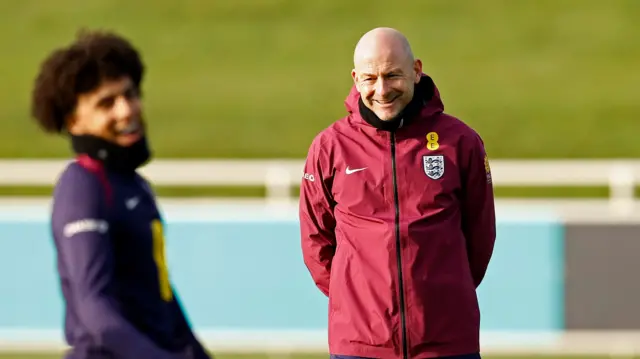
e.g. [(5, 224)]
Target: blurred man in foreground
[(397, 214), (108, 233)]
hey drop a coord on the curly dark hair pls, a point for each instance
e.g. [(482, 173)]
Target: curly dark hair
[(80, 68)]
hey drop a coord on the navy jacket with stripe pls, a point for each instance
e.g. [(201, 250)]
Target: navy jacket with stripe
[(109, 238)]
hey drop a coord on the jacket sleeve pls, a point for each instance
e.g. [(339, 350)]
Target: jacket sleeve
[(81, 230), (317, 221), (195, 348), (478, 208)]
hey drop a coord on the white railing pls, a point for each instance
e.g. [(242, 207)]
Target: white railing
[(279, 176), (289, 343)]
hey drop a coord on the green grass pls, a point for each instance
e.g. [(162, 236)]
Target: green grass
[(253, 192), (321, 356), (259, 78)]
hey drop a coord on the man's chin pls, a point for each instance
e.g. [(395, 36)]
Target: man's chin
[(386, 116), (387, 113)]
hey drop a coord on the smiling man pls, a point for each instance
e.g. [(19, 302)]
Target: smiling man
[(384, 52), (108, 232), (397, 214)]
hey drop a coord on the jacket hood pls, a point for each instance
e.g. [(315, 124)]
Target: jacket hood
[(431, 97)]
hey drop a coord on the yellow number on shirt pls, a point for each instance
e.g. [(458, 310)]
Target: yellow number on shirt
[(432, 141), (159, 256)]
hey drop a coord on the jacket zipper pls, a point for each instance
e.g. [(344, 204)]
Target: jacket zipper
[(398, 246)]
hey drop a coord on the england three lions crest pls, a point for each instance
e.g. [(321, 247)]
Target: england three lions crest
[(433, 166)]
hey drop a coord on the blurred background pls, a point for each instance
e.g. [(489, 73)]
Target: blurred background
[(236, 90)]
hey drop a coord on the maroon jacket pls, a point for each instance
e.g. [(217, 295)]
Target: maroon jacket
[(398, 227)]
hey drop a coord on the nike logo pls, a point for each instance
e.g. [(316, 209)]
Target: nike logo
[(131, 203), (350, 171)]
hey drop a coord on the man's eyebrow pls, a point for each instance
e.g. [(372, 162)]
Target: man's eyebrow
[(113, 93), (105, 96), (395, 70)]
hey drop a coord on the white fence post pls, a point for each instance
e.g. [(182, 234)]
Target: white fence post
[(278, 184), (622, 188)]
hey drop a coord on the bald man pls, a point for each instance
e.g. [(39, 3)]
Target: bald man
[(397, 214)]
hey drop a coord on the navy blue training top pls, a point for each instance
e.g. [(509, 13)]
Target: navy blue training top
[(109, 238)]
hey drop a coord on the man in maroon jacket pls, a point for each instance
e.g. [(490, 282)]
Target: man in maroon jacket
[(397, 214)]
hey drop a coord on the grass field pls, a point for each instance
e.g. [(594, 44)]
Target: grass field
[(249, 78), (320, 356), (252, 192)]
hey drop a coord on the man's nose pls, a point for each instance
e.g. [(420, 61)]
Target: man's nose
[(123, 108), (382, 87)]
